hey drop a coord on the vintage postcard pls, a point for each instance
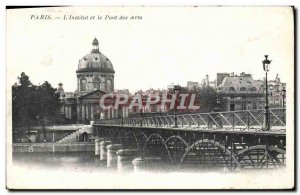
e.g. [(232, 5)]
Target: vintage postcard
[(141, 97)]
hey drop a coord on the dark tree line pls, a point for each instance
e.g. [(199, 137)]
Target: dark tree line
[(33, 104), (207, 98)]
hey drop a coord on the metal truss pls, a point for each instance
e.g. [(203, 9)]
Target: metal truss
[(201, 151), (244, 120)]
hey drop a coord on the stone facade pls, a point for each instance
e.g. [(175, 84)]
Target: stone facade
[(244, 93), (276, 91), (95, 77)]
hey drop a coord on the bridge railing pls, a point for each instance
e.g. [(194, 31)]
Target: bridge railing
[(230, 120)]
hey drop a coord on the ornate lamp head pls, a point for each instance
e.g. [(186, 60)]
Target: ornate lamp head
[(175, 89), (266, 63)]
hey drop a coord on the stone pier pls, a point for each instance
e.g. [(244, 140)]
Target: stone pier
[(149, 164), (97, 146), (125, 158), (103, 151), (112, 154)]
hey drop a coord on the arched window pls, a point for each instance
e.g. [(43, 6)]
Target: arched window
[(83, 85), (102, 84), (108, 85), (231, 89), (97, 83), (243, 89)]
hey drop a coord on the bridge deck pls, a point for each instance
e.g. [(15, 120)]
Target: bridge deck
[(237, 131)]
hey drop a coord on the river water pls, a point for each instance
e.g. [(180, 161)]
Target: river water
[(83, 161), (80, 161), (84, 170)]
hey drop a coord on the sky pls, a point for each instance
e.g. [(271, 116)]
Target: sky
[(168, 45)]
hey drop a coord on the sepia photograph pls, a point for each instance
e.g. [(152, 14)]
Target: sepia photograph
[(150, 97)]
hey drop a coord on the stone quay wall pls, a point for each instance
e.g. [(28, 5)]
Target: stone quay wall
[(54, 147)]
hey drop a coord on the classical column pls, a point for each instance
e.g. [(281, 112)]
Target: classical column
[(86, 111), (71, 111), (92, 111), (89, 110), (78, 112), (83, 111), (66, 111)]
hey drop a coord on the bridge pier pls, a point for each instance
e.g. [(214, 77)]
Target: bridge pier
[(97, 146), (125, 158), (149, 164), (112, 157), (103, 151)]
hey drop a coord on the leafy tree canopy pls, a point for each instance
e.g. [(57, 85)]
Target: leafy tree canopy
[(32, 103)]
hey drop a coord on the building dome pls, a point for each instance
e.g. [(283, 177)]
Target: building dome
[(95, 61)]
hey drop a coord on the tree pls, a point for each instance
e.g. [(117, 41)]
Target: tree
[(22, 96), (32, 104), (46, 104), (208, 100)]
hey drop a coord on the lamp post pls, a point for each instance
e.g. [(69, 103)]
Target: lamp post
[(175, 91), (218, 110), (141, 118), (266, 66)]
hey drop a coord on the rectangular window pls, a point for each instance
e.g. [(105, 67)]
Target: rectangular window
[(244, 106), (254, 105)]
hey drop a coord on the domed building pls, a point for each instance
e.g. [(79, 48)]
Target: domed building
[(95, 72), (95, 77)]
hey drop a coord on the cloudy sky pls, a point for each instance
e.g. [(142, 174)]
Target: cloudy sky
[(168, 45)]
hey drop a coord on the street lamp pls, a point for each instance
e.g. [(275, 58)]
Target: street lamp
[(218, 114), (175, 91), (141, 117), (266, 66)]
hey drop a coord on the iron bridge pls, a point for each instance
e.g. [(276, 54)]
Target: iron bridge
[(231, 140)]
